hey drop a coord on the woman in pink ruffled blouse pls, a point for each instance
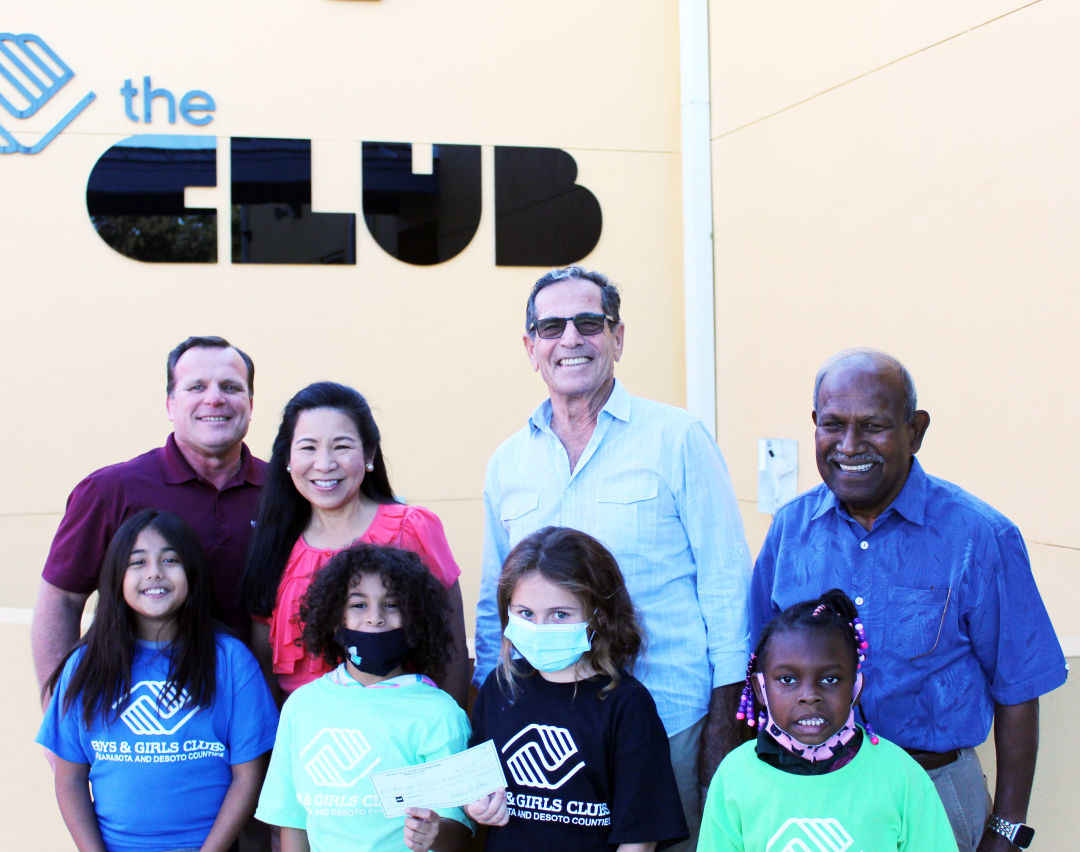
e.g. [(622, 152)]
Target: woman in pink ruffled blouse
[(326, 488)]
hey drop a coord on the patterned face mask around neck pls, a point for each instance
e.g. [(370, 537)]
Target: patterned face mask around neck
[(547, 647), (811, 753)]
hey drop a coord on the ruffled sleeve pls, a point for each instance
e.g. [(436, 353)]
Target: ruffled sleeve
[(286, 629), (419, 530), (408, 527)]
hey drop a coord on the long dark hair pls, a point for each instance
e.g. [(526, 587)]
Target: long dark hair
[(103, 676), (283, 511), (584, 567), (424, 607)]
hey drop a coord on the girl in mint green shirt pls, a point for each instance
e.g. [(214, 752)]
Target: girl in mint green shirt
[(378, 615), (814, 779)]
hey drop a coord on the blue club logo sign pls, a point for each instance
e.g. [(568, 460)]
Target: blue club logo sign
[(422, 206), (31, 75)]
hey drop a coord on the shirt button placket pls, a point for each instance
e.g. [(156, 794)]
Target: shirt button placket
[(860, 575)]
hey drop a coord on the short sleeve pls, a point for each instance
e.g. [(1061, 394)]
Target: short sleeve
[(1010, 629), (254, 717), (447, 734), (61, 731), (422, 533), (645, 804), (278, 804), (78, 548), (719, 831)]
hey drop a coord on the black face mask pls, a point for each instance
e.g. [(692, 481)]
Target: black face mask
[(374, 653)]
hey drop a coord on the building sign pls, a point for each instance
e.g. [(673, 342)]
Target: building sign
[(421, 215)]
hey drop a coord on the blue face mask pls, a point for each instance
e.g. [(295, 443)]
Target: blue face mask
[(547, 647)]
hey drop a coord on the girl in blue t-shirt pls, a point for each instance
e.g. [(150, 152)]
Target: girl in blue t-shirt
[(382, 621), (164, 716), (814, 777), (585, 755)]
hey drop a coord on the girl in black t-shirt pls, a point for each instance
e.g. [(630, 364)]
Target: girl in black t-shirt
[(585, 754)]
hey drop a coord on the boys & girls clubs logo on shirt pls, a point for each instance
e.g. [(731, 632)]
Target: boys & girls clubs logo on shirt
[(154, 714), (421, 202), (542, 756), (811, 835), (152, 711), (338, 757)]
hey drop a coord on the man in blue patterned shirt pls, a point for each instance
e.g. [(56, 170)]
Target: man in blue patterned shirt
[(648, 481), (959, 637)]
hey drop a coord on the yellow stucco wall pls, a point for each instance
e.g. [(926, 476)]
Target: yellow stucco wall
[(901, 177), (904, 177)]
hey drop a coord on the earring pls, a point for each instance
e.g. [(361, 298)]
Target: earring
[(369, 467), (288, 468)]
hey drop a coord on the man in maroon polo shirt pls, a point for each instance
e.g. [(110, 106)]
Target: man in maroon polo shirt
[(204, 473)]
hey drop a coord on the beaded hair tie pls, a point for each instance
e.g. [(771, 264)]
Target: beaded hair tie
[(746, 698), (864, 651)]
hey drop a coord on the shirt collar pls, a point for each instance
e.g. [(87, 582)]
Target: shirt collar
[(910, 503), (343, 677), (617, 406), (176, 470)]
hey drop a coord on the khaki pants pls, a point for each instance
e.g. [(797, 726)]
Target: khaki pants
[(962, 788)]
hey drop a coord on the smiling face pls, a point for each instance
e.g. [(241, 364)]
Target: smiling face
[(863, 444), (327, 458), (573, 365), (809, 680), (210, 406), (369, 607), (155, 586)]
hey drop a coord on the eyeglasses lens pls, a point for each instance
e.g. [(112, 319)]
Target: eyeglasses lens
[(586, 324)]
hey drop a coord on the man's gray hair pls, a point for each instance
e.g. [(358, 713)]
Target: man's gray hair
[(610, 300), (911, 402)]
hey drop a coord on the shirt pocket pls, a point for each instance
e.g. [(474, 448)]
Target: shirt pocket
[(629, 506), (516, 513), (917, 620)]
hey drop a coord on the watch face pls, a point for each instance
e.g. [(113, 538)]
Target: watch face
[(1024, 835)]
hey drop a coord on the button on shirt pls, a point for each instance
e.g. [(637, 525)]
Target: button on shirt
[(653, 487), (944, 588)]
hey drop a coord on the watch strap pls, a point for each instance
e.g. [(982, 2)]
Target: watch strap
[(1016, 833)]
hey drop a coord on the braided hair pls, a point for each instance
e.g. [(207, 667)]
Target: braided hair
[(834, 611)]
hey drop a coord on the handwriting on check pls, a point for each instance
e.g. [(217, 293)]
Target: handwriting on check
[(445, 783)]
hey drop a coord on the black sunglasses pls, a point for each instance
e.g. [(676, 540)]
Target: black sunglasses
[(586, 324)]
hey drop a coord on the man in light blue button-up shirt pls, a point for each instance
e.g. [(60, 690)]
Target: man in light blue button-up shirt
[(648, 481)]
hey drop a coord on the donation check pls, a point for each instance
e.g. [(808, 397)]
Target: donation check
[(445, 783)]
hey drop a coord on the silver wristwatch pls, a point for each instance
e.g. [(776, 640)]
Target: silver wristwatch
[(1016, 833)]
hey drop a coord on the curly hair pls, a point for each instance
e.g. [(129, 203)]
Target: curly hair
[(584, 567), (425, 610)]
